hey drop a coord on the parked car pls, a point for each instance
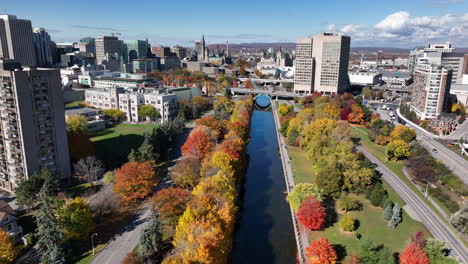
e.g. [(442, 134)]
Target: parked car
[(435, 151)]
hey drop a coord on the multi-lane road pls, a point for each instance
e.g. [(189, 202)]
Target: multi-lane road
[(433, 223)]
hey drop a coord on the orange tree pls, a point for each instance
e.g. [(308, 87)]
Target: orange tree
[(311, 214), (171, 203), (413, 254), (321, 252), (134, 180), (199, 143)]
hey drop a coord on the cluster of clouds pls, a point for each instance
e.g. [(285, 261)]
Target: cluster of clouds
[(402, 29)]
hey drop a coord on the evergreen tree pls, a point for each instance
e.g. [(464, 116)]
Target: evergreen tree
[(27, 192), (133, 156), (378, 195), (388, 212), (48, 232), (149, 247), (147, 151), (396, 217)]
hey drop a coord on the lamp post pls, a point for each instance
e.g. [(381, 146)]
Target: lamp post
[(92, 240)]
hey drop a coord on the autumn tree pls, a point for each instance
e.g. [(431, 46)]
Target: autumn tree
[(223, 107), (398, 149), (413, 254), (79, 146), (89, 169), (321, 252), (348, 203), (131, 258), (311, 214), (8, 250), (217, 126), (357, 116), (300, 192), (199, 143), (186, 172), (403, 133), (134, 180), (171, 203), (77, 124), (75, 218), (115, 115)]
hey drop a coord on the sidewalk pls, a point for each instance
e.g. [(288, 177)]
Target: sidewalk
[(300, 231)]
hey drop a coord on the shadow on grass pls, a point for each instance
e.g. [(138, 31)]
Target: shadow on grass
[(330, 211), (114, 151), (101, 133), (82, 190), (340, 251)]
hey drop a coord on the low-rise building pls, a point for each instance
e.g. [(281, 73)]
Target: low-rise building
[(8, 221), (131, 100), (94, 117), (444, 124), (396, 78), (124, 81), (364, 78), (460, 92)]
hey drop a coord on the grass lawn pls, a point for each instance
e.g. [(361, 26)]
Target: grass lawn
[(88, 256), (74, 103), (301, 166), (112, 145), (372, 226)]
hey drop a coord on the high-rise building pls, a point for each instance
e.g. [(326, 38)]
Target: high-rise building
[(331, 54), (179, 51), (32, 126), (109, 52), (430, 95), (304, 73), (16, 40), (134, 49), (322, 64), (161, 51), (42, 47)]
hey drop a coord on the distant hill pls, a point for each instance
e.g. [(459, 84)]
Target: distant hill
[(290, 45)]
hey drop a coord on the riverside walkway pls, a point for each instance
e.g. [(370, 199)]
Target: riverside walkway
[(300, 231)]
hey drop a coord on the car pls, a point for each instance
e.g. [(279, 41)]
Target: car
[(435, 151)]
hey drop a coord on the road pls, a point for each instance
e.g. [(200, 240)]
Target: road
[(116, 250), (452, 160), (433, 223)]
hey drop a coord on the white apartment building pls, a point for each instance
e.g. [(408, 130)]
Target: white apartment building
[(130, 101), (16, 40), (430, 95), (32, 126), (304, 66)]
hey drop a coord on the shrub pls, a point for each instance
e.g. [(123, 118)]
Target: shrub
[(347, 223), (109, 177), (348, 203)]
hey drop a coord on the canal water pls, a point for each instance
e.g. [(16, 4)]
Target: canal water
[(264, 231)]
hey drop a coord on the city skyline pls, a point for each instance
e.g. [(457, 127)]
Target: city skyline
[(396, 24)]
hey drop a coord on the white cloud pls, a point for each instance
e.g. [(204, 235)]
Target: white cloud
[(331, 27), (401, 29)]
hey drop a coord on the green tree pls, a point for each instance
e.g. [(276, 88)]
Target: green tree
[(149, 246), (147, 151), (48, 232), (396, 217), (28, 189), (378, 195), (348, 203), (76, 219), (301, 192), (375, 254), (149, 112), (77, 124), (114, 114), (347, 223), (109, 177), (366, 92), (437, 252), (460, 220)]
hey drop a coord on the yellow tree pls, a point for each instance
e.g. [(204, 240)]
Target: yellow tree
[(398, 149), (8, 251), (404, 133)]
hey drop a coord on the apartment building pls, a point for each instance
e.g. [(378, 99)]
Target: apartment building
[(32, 126), (430, 94), (322, 64), (16, 40), (131, 100)]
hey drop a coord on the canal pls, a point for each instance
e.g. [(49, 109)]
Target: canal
[(264, 232)]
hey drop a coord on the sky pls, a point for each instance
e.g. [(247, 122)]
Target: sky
[(376, 23)]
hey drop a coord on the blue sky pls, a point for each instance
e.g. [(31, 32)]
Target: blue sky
[(394, 23)]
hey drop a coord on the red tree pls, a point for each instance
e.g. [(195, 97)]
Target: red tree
[(214, 124), (345, 113), (171, 202), (240, 129), (134, 180), (199, 143), (413, 254), (321, 252), (311, 213)]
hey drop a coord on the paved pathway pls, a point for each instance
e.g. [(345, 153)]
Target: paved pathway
[(434, 224), (300, 231)]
